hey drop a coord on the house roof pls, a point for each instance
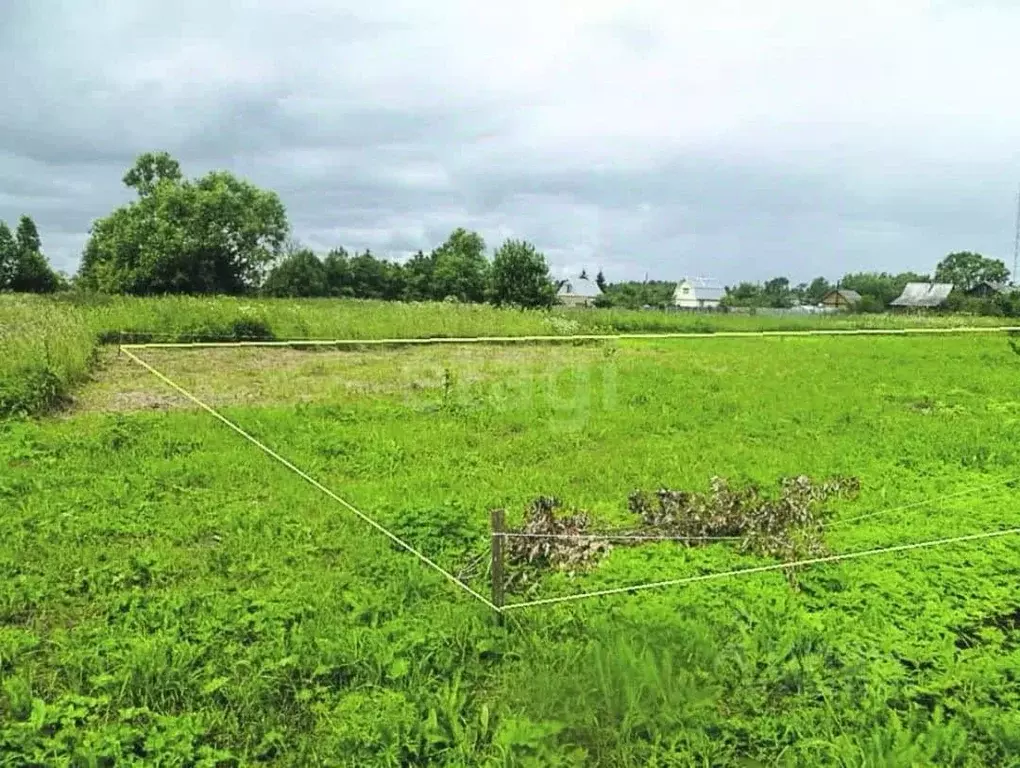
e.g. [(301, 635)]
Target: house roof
[(997, 287), (923, 295), (705, 289), (852, 296), (580, 286)]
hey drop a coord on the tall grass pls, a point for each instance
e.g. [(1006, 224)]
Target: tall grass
[(47, 344), (186, 317), (45, 349)]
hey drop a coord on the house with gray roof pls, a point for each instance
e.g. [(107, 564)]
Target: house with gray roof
[(986, 289), (578, 292), (923, 295), (841, 298), (698, 293)]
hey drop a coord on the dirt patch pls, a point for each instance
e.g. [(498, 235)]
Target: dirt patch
[(280, 375)]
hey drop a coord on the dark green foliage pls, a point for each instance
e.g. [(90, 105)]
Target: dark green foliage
[(373, 278), (635, 295), (459, 268), (418, 275), (869, 305), (245, 328), (776, 293), (23, 267), (299, 274), (34, 390), (214, 234), (965, 269), (520, 277), (27, 237), (879, 288)]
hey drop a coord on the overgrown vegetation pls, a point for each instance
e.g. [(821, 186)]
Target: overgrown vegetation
[(45, 349), (169, 595)]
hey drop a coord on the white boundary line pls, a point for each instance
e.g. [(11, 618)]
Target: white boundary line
[(577, 337), (760, 569), (312, 481)]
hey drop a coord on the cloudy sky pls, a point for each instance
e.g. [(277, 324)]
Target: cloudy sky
[(738, 140)]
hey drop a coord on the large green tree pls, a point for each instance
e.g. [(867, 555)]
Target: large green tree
[(337, 268), (519, 276), (634, 294), (777, 293), (817, 289), (459, 267), (214, 234), (744, 294), (965, 269), (418, 271)]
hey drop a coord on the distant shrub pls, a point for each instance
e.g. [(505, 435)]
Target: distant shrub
[(869, 305)]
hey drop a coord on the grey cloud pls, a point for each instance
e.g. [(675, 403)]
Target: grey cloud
[(386, 127)]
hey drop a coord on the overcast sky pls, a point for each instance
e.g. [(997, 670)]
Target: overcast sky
[(738, 140)]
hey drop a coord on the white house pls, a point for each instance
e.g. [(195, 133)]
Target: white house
[(578, 292), (698, 293)]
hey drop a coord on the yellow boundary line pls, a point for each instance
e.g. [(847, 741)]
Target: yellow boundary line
[(578, 337)]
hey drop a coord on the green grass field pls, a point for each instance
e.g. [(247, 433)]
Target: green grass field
[(48, 345), (172, 596)]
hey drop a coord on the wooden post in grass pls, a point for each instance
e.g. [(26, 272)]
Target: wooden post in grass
[(496, 518)]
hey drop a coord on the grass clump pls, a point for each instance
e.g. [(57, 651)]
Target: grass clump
[(45, 349)]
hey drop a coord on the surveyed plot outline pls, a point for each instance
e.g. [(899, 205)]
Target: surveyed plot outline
[(497, 605)]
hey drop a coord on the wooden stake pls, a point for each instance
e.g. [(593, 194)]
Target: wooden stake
[(496, 518)]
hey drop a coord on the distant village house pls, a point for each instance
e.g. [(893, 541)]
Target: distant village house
[(923, 296), (986, 289), (578, 292), (698, 293), (841, 298)]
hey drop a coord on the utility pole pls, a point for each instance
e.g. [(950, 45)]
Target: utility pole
[(1016, 240)]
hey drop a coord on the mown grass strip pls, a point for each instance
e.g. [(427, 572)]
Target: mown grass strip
[(577, 337)]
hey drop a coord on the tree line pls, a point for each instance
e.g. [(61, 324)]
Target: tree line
[(458, 270), (221, 234)]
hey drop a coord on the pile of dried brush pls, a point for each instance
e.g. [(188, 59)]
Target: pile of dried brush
[(788, 526)]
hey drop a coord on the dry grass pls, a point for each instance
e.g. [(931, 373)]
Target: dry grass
[(278, 376)]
